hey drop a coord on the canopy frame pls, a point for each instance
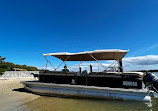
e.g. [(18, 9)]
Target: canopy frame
[(49, 62), (97, 61), (91, 55)]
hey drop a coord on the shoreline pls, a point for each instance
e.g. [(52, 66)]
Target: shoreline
[(13, 94)]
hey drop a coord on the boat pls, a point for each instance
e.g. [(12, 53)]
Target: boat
[(112, 82)]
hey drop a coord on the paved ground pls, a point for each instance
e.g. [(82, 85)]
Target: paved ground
[(13, 95)]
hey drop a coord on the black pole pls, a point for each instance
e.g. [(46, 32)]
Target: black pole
[(120, 66), (80, 69), (90, 68)]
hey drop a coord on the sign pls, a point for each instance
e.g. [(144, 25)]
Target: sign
[(129, 83)]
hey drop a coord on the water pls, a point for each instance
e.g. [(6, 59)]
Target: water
[(44, 103), (72, 104)]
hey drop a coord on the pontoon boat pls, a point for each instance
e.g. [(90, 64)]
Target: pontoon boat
[(116, 84)]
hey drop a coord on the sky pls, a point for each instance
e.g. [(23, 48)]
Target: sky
[(29, 28)]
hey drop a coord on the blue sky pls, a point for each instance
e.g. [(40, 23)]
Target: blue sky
[(29, 28)]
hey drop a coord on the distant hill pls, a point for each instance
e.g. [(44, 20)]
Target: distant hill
[(8, 66), (154, 70)]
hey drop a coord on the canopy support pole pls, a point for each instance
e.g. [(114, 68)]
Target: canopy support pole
[(120, 63), (46, 65), (78, 65), (61, 63), (97, 61), (111, 65), (49, 62)]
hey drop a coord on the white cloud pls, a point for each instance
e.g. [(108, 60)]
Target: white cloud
[(40, 67), (96, 66), (48, 68), (129, 63), (141, 62)]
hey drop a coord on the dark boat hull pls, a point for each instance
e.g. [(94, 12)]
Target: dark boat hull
[(114, 80)]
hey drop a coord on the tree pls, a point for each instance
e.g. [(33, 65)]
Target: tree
[(2, 59), (9, 66)]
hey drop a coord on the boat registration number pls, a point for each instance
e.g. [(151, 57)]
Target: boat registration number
[(129, 83)]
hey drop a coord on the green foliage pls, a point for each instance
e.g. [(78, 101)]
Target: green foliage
[(2, 70), (2, 59), (10, 66), (30, 68)]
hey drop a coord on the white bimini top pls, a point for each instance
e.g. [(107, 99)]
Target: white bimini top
[(109, 54)]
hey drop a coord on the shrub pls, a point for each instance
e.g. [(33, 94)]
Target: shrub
[(2, 70)]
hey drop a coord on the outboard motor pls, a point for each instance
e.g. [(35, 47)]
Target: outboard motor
[(151, 81)]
